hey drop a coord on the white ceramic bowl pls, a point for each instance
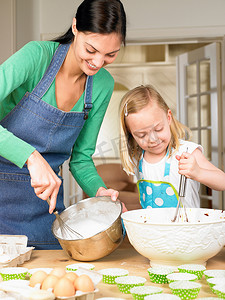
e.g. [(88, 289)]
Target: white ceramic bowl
[(163, 242)]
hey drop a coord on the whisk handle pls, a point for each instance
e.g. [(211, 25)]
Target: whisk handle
[(182, 187), (55, 211)]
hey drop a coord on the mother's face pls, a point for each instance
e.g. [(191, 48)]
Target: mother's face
[(94, 50)]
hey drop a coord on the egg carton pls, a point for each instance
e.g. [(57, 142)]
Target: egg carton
[(80, 296), (14, 250), (20, 290)]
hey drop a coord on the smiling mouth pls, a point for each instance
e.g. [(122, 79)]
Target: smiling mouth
[(93, 67), (155, 146)]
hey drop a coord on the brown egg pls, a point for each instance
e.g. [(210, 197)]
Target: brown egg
[(84, 283), (37, 277), (59, 272), (64, 288), (49, 282), (71, 276)]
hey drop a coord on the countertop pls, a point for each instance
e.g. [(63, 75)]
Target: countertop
[(126, 257)]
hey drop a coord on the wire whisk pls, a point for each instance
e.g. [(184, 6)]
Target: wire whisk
[(180, 203), (66, 231), (181, 194)]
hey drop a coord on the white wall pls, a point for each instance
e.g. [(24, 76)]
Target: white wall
[(28, 21), (7, 28), (144, 14), (57, 15), (147, 20), (150, 20)]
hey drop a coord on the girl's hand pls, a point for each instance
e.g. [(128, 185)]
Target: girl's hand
[(188, 165), (45, 182), (197, 167), (110, 192)]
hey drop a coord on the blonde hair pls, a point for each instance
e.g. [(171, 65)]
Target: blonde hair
[(132, 102)]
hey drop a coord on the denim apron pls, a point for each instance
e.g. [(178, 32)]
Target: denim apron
[(53, 133), (153, 194)]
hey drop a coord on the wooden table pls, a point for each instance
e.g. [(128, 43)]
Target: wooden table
[(125, 257)]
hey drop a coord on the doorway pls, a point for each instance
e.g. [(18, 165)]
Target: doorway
[(200, 107)]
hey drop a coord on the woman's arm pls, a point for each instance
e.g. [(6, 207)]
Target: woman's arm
[(19, 74), (81, 164), (198, 168), (45, 182)]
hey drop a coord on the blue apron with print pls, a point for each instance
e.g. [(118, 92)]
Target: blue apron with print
[(53, 133), (153, 194)]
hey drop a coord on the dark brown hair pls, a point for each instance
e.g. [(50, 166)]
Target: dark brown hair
[(98, 16)]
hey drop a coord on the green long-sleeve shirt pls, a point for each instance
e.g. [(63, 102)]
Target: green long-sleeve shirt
[(21, 73)]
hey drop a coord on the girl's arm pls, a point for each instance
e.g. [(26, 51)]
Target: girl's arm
[(198, 168)]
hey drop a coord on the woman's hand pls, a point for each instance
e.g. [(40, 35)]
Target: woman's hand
[(107, 192), (110, 192), (45, 182)]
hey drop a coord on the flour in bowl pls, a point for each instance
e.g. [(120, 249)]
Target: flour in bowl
[(86, 227)]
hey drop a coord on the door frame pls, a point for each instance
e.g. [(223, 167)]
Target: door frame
[(211, 52)]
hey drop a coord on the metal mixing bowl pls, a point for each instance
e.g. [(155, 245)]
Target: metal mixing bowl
[(98, 219)]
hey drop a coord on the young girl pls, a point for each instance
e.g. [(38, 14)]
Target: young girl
[(153, 147)]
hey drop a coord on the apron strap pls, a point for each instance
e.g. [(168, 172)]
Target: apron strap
[(140, 164), (166, 170), (56, 62), (88, 96), (50, 74), (167, 165)]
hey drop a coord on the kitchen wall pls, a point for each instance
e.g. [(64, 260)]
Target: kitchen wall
[(148, 20), (7, 29), (28, 21), (154, 20)]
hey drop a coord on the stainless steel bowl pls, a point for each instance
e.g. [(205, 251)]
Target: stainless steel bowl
[(98, 241)]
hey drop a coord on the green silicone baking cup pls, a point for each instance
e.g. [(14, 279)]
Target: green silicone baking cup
[(75, 267), (125, 283), (158, 274), (208, 298), (162, 297), (181, 276), (193, 269), (140, 292), (185, 289), (215, 281), (12, 273), (214, 273), (109, 275), (219, 291)]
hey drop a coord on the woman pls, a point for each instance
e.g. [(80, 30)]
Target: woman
[(53, 97)]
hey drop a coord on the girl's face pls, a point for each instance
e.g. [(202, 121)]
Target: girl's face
[(150, 127), (93, 50)]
